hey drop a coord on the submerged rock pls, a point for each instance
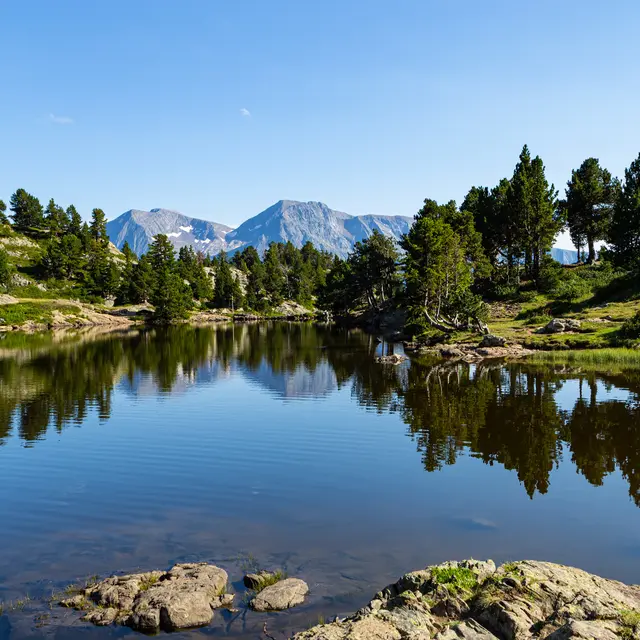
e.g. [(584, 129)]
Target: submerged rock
[(180, 598), (282, 595), (473, 600)]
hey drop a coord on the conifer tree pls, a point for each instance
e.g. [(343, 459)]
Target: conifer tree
[(55, 218), (27, 210), (75, 221), (590, 197), (624, 231), (3, 216)]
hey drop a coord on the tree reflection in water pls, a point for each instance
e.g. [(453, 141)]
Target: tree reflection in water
[(506, 414)]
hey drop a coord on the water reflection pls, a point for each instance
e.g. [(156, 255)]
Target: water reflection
[(523, 417)]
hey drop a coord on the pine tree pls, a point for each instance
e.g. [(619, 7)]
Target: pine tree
[(3, 216), (532, 205), (624, 230), (274, 282), (142, 282), (98, 227), (170, 296), (75, 221), (223, 287), (590, 196), (438, 272), (27, 210), (56, 218)]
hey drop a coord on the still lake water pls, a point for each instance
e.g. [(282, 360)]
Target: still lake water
[(286, 445)]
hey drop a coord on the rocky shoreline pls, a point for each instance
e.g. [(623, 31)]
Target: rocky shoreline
[(472, 600), (467, 600)]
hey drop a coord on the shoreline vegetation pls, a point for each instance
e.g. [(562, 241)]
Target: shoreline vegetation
[(460, 274)]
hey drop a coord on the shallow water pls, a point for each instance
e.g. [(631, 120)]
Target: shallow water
[(285, 445)]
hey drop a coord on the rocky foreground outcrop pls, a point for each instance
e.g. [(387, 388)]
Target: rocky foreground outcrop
[(473, 600), (183, 597)]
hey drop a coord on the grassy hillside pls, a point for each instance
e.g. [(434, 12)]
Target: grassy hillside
[(602, 299)]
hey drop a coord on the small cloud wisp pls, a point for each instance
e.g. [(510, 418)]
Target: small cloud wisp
[(245, 112), (60, 119)]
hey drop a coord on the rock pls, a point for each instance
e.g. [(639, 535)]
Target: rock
[(469, 630), (395, 358), (592, 630), (258, 580), (101, 617), (181, 598), (77, 601), (559, 325), (18, 280), (283, 595), (490, 340), (7, 299), (516, 601), (451, 352)]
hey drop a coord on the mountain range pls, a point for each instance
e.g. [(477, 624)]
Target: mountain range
[(286, 220)]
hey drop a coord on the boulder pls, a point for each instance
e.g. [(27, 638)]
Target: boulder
[(490, 340), (559, 325), (282, 595), (181, 598), (451, 352)]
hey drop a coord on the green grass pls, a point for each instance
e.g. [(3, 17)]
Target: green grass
[(21, 312), (629, 620), (147, 582), (455, 579), (600, 357), (270, 579)]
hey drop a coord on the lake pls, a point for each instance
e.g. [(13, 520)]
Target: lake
[(286, 446)]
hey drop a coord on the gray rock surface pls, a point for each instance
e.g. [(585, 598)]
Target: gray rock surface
[(489, 340), (180, 598), (282, 595), (560, 325), (473, 600)]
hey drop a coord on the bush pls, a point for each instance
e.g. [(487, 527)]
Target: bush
[(571, 289), (5, 269), (551, 274), (630, 330)]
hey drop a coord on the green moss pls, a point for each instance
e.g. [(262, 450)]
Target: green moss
[(456, 579), (269, 579)]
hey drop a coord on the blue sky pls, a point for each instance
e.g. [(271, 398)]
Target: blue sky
[(220, 108)]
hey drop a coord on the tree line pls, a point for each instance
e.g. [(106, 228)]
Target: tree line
[(495, 243), (80, 253)]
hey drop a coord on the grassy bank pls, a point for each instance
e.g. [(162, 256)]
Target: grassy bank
[(620, 357)]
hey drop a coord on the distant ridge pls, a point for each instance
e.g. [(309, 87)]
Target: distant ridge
[(286, 220)]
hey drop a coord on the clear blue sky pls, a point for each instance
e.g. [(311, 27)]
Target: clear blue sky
[(367, 105)]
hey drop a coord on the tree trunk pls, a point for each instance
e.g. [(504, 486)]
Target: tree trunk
[(592, 251)]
